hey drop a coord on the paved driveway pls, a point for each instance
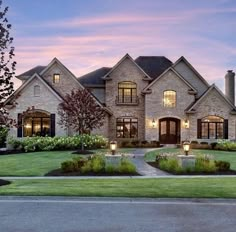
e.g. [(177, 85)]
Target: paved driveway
[(43, 214)]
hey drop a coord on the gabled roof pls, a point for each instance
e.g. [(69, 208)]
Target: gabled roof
[(24, 85), (191, 109), (148, 88), (182, 58), (31, 72), (62, 66), (154, 66), (94, 78), (127, 56)]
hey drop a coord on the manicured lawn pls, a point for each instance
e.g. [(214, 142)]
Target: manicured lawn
[(218, 155), (168, 187), (36, 163)]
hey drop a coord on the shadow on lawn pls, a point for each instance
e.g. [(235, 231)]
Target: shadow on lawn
[(4, 182)]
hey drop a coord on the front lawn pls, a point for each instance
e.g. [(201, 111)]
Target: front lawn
[(36, 163), (164, 187), (218, 155)]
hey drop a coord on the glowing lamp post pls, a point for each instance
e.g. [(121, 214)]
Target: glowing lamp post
[(186, 146), (113, 147)]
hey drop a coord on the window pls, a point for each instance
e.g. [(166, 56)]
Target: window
[(36, 90), (36, 124), (56, 78), (127, 128), (127, 92), (169, 98), (212, 127)]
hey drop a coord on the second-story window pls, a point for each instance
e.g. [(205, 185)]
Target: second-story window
[(169, 98), (127, 92), (37, 91), (56, 78)]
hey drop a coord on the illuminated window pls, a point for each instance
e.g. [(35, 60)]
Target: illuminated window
[(56, 78), (169, 99), (36, 124), (212, 127), (127, 92), (36, 90), (127, 128)]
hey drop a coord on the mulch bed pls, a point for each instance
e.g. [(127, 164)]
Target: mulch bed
[(4, 182), (58, 172), (230, 172)]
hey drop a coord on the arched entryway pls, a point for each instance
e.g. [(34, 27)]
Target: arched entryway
[(169, 130)]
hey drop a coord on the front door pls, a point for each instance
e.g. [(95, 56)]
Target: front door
[(169, 130)]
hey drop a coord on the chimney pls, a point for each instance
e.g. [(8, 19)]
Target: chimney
[(230, 86)]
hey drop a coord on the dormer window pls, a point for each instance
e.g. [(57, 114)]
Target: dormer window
[(169, 98), (37, 91), (56, 78)]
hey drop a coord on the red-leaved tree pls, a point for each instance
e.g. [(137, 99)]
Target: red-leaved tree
[(81, 112)]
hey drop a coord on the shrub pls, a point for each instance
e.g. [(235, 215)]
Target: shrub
[(98, 163), (204, 143), (111, 169), (194, 142), (68, 166), (226, 145), (204, 163), (58, 143), (222, 165), (3, 135), (135, 142), (171, 165), (213, 145), (126, 167)]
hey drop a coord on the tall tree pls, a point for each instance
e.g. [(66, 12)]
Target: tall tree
[(7, 64), (80, 111)]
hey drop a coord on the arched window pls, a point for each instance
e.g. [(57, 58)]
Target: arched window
[(212, 127), (36, 124), (127, 92), (127, 128), (169, 98), (37, 91)]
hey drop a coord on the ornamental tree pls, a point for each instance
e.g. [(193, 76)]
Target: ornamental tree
[(7, 65), (81, 112)]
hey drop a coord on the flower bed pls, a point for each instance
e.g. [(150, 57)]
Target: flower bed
[(205, 164), (95, 165)]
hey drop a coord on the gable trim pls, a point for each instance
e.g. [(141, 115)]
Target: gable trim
[(182, 58), (192, 110), (55, 60), (26, 83), (146, 76), (148, 90)]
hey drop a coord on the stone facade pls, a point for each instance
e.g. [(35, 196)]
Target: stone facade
[(190, 88), (126, 71), (154, 107)]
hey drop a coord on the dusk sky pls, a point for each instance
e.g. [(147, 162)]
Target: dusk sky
[(87, 34)]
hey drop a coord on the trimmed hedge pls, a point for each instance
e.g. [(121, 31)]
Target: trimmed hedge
[(30, 144)]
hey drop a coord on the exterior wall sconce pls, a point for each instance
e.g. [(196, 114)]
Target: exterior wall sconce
[(154, 123), (186, 123), (113, 147), (186, 146)]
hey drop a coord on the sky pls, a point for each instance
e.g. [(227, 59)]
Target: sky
[(88, 34)]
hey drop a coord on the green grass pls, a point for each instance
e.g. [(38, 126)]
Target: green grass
[(218, 155), (36, 163), (168, 187)]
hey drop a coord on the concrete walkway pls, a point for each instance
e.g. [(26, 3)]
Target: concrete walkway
[(142, 167)]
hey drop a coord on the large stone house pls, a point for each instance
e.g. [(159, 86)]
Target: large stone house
[(149, 98)]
